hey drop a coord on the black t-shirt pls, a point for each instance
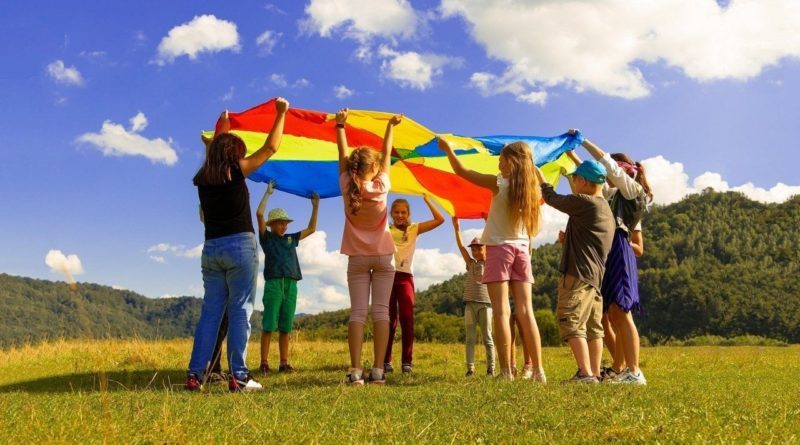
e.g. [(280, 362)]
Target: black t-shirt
[(226, 207)]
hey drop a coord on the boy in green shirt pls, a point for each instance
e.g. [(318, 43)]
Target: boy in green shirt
[(281, 274)]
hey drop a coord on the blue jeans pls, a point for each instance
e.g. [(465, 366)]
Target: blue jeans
[(230, 266)]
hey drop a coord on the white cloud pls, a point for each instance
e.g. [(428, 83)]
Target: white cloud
[(177, 251), (65, 265), (433, 266), (414, 70), (280, 81), (533, 97), (138, 122), (227, 96), (63, 74), (600, 45), (670, 184), (342, 92), (118, 287), (114, 140), (267, 40), (360, 19), (316, 261), (552, 222), (204, 33)]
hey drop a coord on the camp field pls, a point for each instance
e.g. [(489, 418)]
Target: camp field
[(131, 391)]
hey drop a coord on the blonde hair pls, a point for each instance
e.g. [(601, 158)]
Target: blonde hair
[(361, 162), (524, 196)]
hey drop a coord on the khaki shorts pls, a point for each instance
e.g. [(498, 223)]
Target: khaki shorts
[(580, 309)]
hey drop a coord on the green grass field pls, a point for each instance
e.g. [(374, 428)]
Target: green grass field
[(130, 391)]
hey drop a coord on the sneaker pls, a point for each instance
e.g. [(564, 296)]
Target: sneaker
[(490, 372), (583, 379), (514, 370), (247, 383), (527, 372), (470, 373), (407, 368), (193, 383), (608, 373), (217, 377), (631, 378), (373, 380), (539, 376), (354, 378), (388, 368), (287, 368), (264, 368)]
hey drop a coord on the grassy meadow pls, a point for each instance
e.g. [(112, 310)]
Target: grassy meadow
[(131, 391)]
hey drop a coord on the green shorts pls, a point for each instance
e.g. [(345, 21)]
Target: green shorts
[(280, 301)]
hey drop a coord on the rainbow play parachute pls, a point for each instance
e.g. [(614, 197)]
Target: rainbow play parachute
[(307, 159)]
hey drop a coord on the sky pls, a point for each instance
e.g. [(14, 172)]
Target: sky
[(103, 104)]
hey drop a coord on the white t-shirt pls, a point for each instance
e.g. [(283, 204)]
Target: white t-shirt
[(498, 226), (405, 245)]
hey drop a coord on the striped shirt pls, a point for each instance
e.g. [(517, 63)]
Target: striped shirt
[(474, 290)]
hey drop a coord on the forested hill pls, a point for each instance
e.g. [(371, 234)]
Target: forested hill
[(714, 263), (33, 310)]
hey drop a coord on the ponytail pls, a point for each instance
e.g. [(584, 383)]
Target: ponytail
[(360, 162)]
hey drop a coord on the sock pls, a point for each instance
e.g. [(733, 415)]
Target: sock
[(377, 373)]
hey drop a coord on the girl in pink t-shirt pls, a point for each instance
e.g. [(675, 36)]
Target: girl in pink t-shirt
[(364, 182)]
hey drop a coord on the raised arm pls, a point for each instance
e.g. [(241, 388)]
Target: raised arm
[(262, 225), (312, 223), (386, 151), (341, 139), (479, 179), (437, 220), (459, 242), (637, 242), (626, 185), (251, 163)]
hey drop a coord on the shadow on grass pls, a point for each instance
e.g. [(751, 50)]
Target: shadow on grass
[(174, 379)]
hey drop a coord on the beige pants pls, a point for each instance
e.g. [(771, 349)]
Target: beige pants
[(579, 310)]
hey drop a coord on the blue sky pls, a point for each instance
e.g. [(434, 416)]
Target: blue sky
[(103, 104)]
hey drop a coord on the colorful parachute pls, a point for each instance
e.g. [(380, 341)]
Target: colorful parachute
[(307, 159)]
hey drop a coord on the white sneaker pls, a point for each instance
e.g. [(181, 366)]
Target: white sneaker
[(539, 376), (527, 372), (630, 377), (583, 379)]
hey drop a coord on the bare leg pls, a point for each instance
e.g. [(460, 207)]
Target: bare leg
[(630, 336), (265, 339), (595, 355), (283, 345), (526, 354), (512, 321), (528, 328), (580, 349), (498, 294)]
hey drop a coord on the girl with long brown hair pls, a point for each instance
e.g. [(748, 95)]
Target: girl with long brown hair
[(364, 182), (230, 252), (512, 222)]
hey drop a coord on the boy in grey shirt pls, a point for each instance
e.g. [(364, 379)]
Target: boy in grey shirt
[(587, 241)]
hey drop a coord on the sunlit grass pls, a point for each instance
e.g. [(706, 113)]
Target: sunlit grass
[(130, 391)]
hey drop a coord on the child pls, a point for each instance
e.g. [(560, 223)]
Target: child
[(628, 197), (477, 306), (281, 273), (587, 240), (364, 182), (404, 234), (513, 220)]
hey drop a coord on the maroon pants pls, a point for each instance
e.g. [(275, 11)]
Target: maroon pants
[(401, 305)]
